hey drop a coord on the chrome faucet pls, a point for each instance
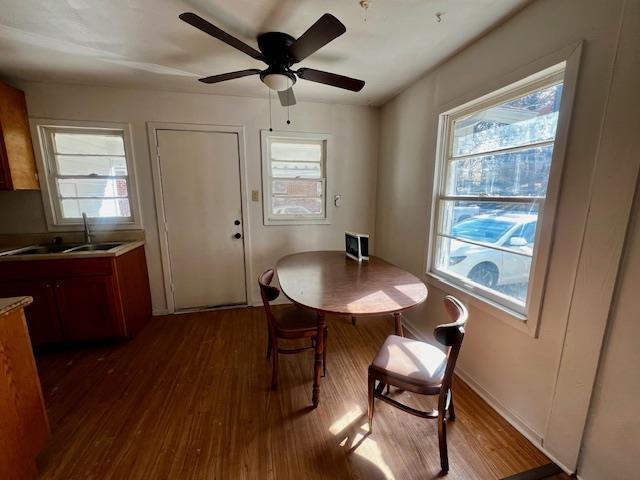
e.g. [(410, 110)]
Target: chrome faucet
[(87, 232)]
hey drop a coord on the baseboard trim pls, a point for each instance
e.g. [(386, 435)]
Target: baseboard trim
[(531, 435), (514, 420), (156, 312), (538, 473)]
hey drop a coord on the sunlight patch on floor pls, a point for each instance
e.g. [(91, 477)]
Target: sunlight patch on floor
[(352, 433), (346, 420)]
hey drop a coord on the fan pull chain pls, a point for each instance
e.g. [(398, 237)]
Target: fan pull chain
[(270, 119)]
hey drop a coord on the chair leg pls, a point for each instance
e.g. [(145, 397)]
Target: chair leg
[(274, 366), (324, 353), (353, 320), (372, 384), (442, 440), (269, 347), (452, 411)]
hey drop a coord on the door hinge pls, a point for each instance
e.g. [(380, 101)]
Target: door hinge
[(166, 227), (173, 287)]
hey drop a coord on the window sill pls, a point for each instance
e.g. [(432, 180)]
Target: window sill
[(516, 320)]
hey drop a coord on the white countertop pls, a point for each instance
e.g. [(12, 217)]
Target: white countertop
[(11, 303), (113, 252)]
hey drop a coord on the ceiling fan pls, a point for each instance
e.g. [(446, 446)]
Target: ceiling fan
[(280, 51)]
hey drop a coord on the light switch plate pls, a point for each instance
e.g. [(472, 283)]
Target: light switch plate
[(255, 195)]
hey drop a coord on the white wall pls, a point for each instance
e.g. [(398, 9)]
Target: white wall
[(611, 447), (518, 372), (354, 134)]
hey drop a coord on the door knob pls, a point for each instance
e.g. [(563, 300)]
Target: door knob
[(237, 222), (238, 235)]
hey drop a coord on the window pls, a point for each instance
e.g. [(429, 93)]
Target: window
[(294, 178), (88, 170), (495, 161)]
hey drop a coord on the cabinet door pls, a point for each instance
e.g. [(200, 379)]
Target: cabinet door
[(42, 314), (18, 162), (87, 308), (5, 172)]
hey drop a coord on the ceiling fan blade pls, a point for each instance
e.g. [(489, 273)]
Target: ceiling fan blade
[(287, 98), (332, 79), (326, 29), (229, 76), (201, 24)]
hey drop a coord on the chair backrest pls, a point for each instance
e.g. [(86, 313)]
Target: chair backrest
[(268, 293), (451, 335)]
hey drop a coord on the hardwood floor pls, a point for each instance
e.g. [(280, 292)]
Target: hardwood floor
[(189, 398)]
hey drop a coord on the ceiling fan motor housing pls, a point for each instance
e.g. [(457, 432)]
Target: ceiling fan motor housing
[(275, 48)]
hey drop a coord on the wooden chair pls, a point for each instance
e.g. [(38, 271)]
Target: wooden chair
[(421, 368), (287, 323)]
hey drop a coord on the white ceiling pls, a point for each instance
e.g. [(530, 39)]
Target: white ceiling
[(142, 43)]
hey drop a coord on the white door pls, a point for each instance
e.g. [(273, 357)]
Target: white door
[(200, 175)]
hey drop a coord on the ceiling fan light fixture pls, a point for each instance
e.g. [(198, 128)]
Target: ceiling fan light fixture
[(277, 81)]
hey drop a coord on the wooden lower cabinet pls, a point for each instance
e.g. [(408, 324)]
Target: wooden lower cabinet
[(87, 308), (24, 428), (42, 320), (81, 299)]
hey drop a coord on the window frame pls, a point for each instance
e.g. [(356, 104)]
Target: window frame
[(47, 168), (566, 71), (267, 137)]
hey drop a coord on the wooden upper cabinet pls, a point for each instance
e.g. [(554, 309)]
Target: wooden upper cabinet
[(17, 162)]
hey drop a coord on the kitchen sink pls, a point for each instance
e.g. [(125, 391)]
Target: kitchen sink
[(62, 248), (41, 249), (94, 247)]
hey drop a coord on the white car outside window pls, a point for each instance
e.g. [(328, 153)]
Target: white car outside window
[(505, 264)]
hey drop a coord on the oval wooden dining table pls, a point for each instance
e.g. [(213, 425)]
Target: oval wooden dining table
[(330, 282)]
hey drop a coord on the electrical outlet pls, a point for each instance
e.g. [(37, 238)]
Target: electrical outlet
[(255, 195)]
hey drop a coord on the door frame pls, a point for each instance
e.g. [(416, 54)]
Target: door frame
[(152, 128)]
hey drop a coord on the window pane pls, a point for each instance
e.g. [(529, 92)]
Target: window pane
[(504, 225), (504, 273), (92, 187), (73, 208), (306, 152), (298, 188), (87, 165), (296, 206), (296, 169), (522, 121), (521, 173), (87, 143)]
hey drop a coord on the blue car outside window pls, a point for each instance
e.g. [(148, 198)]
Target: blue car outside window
[(487, 230)]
